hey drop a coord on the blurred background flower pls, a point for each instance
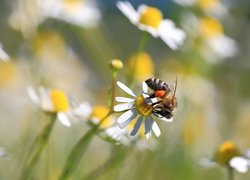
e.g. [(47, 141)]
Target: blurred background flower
[(68, 44)]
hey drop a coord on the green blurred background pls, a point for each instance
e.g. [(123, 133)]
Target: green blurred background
[(213, 95)]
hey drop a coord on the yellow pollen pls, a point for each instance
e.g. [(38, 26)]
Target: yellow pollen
[(151, 17), (99, 112), (226, 152), (142, 107), (59, 100), (210, 27)]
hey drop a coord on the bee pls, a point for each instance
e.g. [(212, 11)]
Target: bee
[(163, 98)]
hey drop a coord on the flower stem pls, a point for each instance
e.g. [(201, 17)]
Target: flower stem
[(78, 150), (42, 140), (142, 46), (114, 79), (230, 173)]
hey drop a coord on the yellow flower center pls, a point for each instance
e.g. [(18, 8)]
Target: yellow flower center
[(226, 152), (210, 27), (44, 41), (142, 66), (142, 107), (208, 4), (98, 113), (151, 17), (59, 100), (8, 72), (72, 5)]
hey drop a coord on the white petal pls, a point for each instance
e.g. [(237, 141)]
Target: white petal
[(85, 14), (154, 32), (142, 8), (62, 117), (128, 10), (126, 117), (171, 35), (123, 106), (3, 55), (156, 129), (114, 132), (144, 87), (124, 99), (33, 95), (185, 2), (240, 164), (125, 88), (224, 46), (154, 100), (136, 126), (83, 110), (148, 126), (46, 103)]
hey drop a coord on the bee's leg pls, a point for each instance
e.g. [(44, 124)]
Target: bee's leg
[(152, 95), (158, 102)]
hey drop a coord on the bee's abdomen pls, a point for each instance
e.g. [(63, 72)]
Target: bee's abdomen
[(157, 84)]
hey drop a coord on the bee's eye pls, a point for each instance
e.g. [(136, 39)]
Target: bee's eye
[(160, 93)]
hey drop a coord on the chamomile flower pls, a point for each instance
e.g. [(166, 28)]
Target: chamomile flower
[(228, 155), (140, 106), (150, 19), (3, 55), (216, 45), (108, 125), (79, 12), (212, 30), (212, 7), (54, 101)]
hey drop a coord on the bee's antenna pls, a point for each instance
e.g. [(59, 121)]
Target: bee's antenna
[(174, 89)]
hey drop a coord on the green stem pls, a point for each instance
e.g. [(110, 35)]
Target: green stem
[(230, 172), (114, 79), (42, 140), (78, 150), (142, 46)]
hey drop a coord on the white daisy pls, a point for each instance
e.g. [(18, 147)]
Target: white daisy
[(150, 19), (241, 164), (212, 7), (108, 126), (78, 12), (52, 101), (138, 105), (216, 45), (83, 111), (3, 55), (228, 155)]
